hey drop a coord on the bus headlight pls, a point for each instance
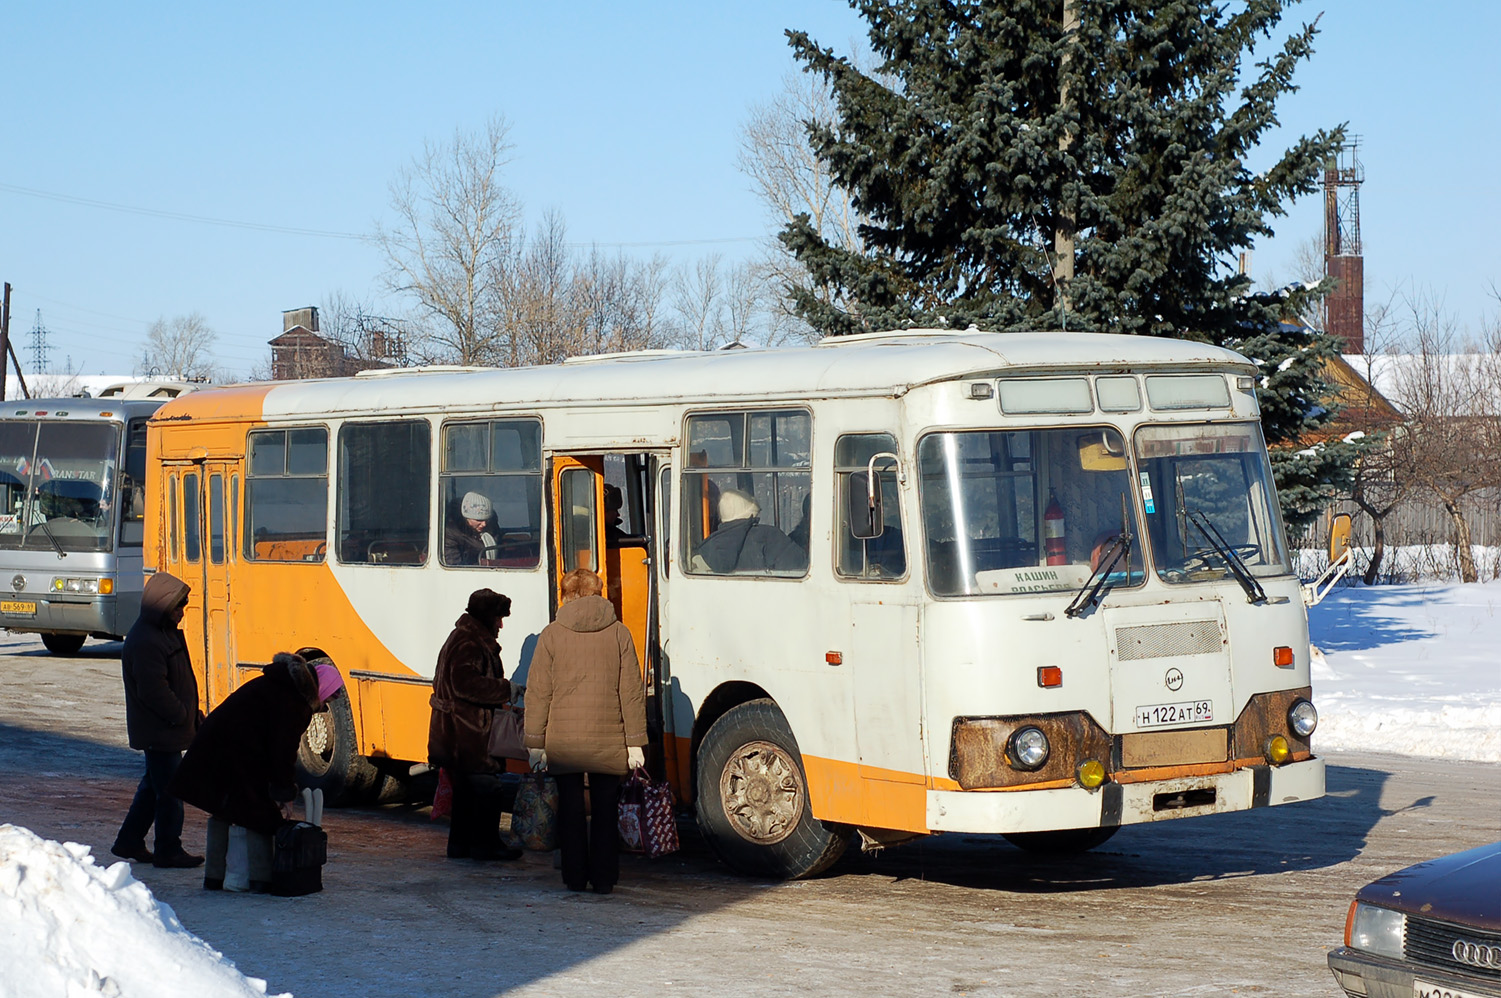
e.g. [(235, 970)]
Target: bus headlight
[(86, 587), (1302, 718), (1027, 748), (1277, 750)]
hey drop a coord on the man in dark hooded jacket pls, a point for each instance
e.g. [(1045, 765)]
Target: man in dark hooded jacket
[(161, 717), (742, 543), (469, 684)]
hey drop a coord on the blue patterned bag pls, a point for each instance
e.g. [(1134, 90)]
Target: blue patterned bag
[(534, 816)]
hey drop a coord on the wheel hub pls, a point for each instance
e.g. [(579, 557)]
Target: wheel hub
[(762, 790), (319, 737)]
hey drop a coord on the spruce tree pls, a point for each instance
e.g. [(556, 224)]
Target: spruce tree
[(987, 128)]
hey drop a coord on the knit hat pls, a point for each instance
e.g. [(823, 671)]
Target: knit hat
[(737, 505), (475, 506), (488, 605), (329, 680)]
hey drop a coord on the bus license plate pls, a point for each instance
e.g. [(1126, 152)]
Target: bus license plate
[(19, 607), (1186, 712), (1422, 989)]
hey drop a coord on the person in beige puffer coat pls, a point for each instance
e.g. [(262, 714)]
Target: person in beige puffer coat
[(586, 714)]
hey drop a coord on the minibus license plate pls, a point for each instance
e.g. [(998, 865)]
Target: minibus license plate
[(25, 608), (1422, 989), (1186, 712)]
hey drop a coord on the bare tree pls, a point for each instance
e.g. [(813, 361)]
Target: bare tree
[(790, 180), (1377, 485), (454, 235), (698, 298), (1449, 448), (366, 339), (179, 347)]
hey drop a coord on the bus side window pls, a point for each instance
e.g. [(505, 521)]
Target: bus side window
[(216, 519), (745, 492), (286, 495), (664, 514), (133, 487), (882, 557), (490, 485), (192, 525), (384, 492)]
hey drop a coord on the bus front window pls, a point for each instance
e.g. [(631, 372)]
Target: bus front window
[(1025, 511), (57, 484), (1200, 478)]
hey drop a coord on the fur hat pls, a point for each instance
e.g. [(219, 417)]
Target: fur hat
[(737, 505), (304, 680), (487, 604), (475, 506)]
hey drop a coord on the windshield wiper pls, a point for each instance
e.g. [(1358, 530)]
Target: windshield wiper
[(1091, 592), (1232, 561), (51, 537)]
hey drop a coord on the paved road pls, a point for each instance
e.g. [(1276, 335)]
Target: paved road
[(1234, 904)]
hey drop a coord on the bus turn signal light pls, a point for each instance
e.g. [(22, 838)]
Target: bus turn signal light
[(1049, 676), (1282, 657), (1277, 750)]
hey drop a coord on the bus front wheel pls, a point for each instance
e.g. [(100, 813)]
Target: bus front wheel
[(62, 644), (328, 757), (1063, 842), (752, 798)]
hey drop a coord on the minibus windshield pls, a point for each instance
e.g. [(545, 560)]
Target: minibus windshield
[(1025, 511), (57, 484), (1197, 478)]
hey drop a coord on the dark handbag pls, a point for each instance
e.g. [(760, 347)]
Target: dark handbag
[(301, 850), (508, 734)]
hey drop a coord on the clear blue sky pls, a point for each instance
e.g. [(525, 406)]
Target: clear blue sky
[(626, 119)]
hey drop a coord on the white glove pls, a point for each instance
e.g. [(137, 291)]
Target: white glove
[(635, 758), (538, 758)]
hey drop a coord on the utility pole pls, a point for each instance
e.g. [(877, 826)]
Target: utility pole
[(8, 349), (1063, 235)]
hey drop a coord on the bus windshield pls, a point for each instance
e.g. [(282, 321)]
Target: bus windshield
[(57, 484), (1026, 511), (1204, 479)]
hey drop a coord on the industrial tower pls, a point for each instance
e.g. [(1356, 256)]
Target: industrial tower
[(39, 349), (1344, 309)]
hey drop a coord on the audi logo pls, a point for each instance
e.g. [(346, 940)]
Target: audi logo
[(1477, 955)]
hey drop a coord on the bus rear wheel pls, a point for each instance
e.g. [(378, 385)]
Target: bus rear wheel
[(62, 644), (328, 758), (752, 798), (1061, 843)]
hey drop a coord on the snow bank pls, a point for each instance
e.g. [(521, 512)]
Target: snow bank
[(1414, 670), (70, 929)]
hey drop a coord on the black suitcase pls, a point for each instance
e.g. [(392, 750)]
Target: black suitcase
[(297, 863)]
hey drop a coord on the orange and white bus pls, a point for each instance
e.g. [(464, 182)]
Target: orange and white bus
[(884, 586)]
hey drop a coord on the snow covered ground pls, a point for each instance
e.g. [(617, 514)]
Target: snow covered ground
[(1410, 669)]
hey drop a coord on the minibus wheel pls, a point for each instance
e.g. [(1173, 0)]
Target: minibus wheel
[(327, 758), (1063, 841), (752, 800), (62, 644)]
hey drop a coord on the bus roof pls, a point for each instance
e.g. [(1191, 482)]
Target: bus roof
[(877, 364)]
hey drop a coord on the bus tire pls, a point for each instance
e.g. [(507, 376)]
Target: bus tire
[(62, 644), (752, 800), (327, 758), (1063, 842)]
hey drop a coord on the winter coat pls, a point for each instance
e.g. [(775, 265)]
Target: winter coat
[(161, 692), (584, 702), (242, 765), (463, 545), (746, 545), (468, 685)]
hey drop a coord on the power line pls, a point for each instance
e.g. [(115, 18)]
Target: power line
[(181, 216)]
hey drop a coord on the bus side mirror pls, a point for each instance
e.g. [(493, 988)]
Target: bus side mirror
[(1339, 537), (866, 517)]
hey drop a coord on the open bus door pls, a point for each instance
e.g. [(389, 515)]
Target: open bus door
[(584, 537)]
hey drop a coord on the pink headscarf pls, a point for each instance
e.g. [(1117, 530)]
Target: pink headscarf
[(329, 681)]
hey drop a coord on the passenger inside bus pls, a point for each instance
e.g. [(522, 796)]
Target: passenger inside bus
[(743, 544), (472, 537)]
